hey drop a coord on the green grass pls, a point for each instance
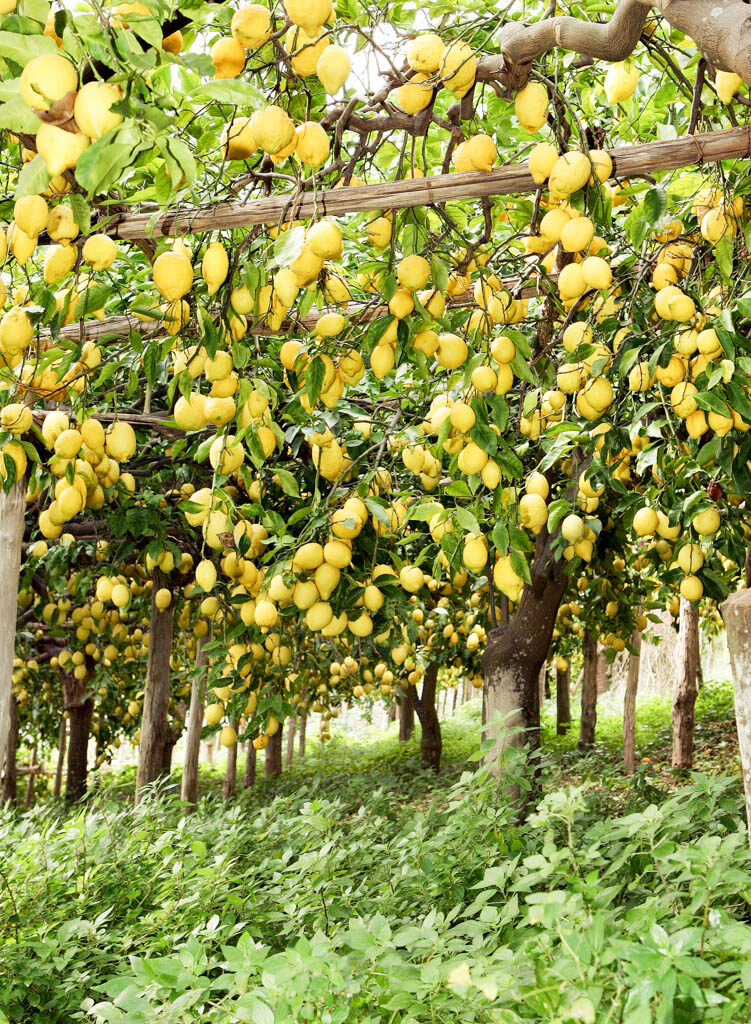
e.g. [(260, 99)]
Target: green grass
[(361, 889)]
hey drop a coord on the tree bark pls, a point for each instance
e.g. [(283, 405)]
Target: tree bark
[(603, 672), (303, 730), (736, 613), (589, 691), (249, 779), (629, 701), (61, 742), (154, 728), (290, 751), (514, 656), (12, 510), (685, 692), (406, 716), (32, 777), (721, 32), (189, 784), (431, 743), (562, 701), (79, 716), (9, 790), (273, 760), (230, 771), (391, 715)]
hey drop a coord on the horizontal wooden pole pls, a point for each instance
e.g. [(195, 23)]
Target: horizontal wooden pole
[(116, 327), (643, 158)]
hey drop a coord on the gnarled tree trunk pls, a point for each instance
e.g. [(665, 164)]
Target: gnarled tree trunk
[(12, 509), (431, 743), (9, 788), (514, 656), (629, 701), (589, 691), (303, 724), (720, 30), (562, 700), (685, 692), (189, 784), (154, 727)]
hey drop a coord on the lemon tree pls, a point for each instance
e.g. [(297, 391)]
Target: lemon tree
[(355, 448)]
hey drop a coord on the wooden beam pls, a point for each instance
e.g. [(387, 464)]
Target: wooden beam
[(113, 328), (643, 158)]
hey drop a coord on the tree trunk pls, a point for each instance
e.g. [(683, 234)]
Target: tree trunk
[(154, 728), (736, 613), (391, 715), (455, 693), (249, 779), (189, 785), (58, 786), (230, 771), (513, 658), (32, 777), (603, 672), (719, 31), (406, 717), (684, 695), (303, 730), (431, 743), (9, 791), (629, 702), (589, 691), (12, 510), (562, 701), (273, 759), (79, 716), (290, 752)]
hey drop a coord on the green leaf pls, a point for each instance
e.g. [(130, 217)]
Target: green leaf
[(314, 375), (235, 91), (440, 271), (466, 520), (81, 212), (102, 163), (723, 254), (17, 117), (288, 246), (655, 204), (21, 48), (288, 483), (33, 179)]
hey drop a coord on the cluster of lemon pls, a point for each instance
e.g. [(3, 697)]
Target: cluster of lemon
[(648, 522)]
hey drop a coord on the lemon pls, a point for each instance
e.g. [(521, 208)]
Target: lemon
[(59, 149), (272, 128), (325, 239), (727, 84), (30, 214), (645, 522), (306, 50), (620, 82), (333, 68), (47, 79), (531, 106), (570, 172), (228, 57), (425, 52), (312, 143), (691, 588), (414, 96), (214, 267), (238, 139), (93, 108), (120, 441), (173, 275), (251, 25), (533, 512), (310, 15), (411, 578), (542, 160), (706, 523), (99, 251), (506, 579), (577, 234), (458, 68)]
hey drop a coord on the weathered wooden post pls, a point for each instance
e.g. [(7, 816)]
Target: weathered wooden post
[(736, 612)]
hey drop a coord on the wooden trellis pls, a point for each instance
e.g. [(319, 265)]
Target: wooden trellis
[(628, 161)]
